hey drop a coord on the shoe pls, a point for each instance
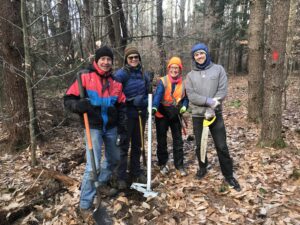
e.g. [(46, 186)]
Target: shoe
[(141, 179), (107, 190), (85, 214), (164, 170), (232, 182), (122, 184), (201, 173), (181, 172)]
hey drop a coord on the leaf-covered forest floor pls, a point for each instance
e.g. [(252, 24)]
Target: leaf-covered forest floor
[(270, 178)]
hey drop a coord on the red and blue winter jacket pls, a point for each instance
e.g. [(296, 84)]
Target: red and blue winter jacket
[(105, 95)]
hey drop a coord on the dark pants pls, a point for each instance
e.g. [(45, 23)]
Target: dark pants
[(134, 138), (162, 125), (218, 132)]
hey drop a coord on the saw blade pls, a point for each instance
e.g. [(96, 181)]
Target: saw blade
[(204, 139)]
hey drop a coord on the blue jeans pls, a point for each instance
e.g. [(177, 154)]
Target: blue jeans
[(109, 164)]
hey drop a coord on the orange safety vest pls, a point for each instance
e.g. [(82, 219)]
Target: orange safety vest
[(168, 98)]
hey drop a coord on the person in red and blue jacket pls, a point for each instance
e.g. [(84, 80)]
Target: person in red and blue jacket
[(169, 103), (104, 103), (135, 86)]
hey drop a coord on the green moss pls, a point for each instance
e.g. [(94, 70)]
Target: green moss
[(296, 174), (235, 103), (262, 191), (224, 187), (279, 143)]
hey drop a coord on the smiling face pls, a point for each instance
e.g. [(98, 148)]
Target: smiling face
[(105, 63), (200, 56), (174, 70), (133, 60)]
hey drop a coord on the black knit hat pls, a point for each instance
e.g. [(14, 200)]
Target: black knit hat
[(103, 51)]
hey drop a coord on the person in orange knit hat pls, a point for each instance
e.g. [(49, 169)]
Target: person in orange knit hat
[(169, 103)]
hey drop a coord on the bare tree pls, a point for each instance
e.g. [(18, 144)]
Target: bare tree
[(274, 79), (65, 39), (11, 50), (160, 31), (256, 59), (28, 79)]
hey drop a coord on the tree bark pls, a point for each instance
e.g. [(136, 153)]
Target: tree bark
[(28, 79), (256, 59), (11, 49), (109, 24), (65, 40), (88, 33), (274, 79), (162, 52)]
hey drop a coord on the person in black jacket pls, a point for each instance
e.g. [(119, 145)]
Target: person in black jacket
[(135, 86), (104, 103)]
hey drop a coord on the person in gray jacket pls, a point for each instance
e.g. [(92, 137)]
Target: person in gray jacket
[(206, 88)]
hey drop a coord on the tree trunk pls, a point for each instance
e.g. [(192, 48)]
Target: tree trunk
[(274, 80), (109, 23), (256, 59), (88, 34), (28, 79), (162, 52), (11, 49), (182, 19), (242, 36), (65, 39)]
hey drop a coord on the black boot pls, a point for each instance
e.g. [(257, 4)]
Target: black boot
[(232, 182), (201, 173)]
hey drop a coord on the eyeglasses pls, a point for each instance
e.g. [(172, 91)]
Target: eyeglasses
[(174, 67), (133, 57)]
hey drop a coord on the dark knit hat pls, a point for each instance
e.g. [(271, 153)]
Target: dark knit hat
[(130, 50), (103, 51)]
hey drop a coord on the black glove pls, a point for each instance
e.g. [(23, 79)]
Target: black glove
[(129, 101), (121, 139), (83, 105)]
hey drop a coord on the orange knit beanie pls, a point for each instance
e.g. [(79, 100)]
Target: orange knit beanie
[(175, 60)]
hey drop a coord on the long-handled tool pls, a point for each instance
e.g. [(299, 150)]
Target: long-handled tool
[(204, 137), (142, 137), (182, 125), (146, 189), (100, 215)]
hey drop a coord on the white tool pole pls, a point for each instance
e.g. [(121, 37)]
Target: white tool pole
[(149, 155), (146, 188)]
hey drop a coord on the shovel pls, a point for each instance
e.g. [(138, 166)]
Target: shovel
[(100, 215), (204, 137)]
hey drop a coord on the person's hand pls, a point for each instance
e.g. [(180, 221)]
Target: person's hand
[(182, 110), (213, 102), (154, 110), (83, 105), (209, 114)]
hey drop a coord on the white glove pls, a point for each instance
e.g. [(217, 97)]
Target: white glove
[(209, 114)]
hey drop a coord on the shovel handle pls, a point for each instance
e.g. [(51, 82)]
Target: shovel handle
[(85, 116), (181, 124), (88, 132)]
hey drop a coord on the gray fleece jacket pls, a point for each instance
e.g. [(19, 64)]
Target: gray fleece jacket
[(202, 84)]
